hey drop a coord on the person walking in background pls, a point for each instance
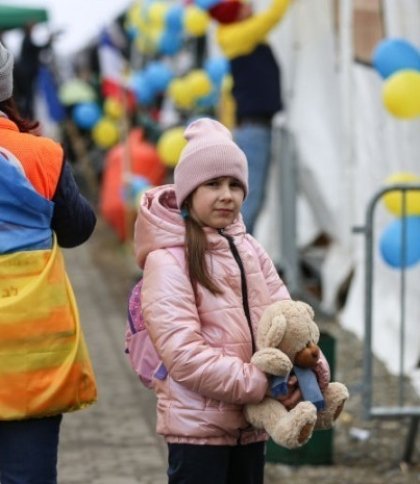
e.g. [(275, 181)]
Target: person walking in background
[(256, 88), (27, 69), (202, 310), (45, 368)]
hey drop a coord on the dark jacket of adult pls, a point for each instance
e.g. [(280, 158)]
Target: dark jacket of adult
[(254, 68)]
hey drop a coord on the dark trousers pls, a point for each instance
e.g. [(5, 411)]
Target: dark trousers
[(28, 450), (216, 464)]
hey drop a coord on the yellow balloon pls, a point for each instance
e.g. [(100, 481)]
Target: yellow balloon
[(401, 94), (105, 133), (157, 12), (133, 15), (199, 83), (196, 21), (113, 108), (180, 93), (227, 83), (147, 42), (170, 145), (394, 200)]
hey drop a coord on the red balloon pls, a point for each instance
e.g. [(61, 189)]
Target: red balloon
[(124, 96)]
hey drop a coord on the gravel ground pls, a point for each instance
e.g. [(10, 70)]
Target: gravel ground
[(364, 452)]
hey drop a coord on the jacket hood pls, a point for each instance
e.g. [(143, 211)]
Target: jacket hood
[(159, 224)]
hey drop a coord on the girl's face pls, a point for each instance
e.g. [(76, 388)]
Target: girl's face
[(217, 202)]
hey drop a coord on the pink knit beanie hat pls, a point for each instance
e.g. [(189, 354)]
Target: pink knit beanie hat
[(210, 153)]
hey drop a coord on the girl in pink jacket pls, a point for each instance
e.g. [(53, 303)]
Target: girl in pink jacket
[(202, 310)]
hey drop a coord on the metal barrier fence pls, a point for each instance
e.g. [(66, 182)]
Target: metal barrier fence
[(401, 410)]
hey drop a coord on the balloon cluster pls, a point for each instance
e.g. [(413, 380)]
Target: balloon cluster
[(102, 122), (159, 27), (398, 62), (198, 89), (400, 242), (151, 81)]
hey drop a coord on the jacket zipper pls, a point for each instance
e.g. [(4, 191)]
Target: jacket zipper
[(244, 287)]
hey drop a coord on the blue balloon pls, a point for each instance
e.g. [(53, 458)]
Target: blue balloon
[(206, 4), (132, 32), (145, 94), (174, 19), (391, 243), (136, 184), (158, 76), (170, 43), (392, 55), (217, 68), (86, 115)]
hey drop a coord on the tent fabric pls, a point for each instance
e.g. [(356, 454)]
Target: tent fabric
[(12, 17), (347, 146)]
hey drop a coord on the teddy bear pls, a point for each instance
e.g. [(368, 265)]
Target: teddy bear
[(287, 339)]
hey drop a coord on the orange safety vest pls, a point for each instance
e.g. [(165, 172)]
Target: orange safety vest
[(40, 157)]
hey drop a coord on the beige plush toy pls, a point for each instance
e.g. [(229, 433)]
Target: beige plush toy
[(288, 336)]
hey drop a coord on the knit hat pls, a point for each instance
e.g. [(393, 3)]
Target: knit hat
[(226, 11), (6, 73), (210, 153)]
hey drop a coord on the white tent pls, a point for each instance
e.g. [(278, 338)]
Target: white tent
[(348, 145)]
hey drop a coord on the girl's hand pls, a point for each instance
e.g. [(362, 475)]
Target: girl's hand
[(322, 371), (294, 395)]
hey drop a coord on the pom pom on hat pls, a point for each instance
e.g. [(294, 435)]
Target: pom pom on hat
[(226, 11), (210, 153), (6, 73)]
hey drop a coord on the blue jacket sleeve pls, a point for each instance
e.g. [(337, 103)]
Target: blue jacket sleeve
[(73, 219)]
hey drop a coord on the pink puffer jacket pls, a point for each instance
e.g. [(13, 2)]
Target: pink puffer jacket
[(204, 342)]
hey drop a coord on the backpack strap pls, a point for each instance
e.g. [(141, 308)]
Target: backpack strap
[(134, 308)]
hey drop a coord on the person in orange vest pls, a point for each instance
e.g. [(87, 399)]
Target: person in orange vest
[(45, 369)]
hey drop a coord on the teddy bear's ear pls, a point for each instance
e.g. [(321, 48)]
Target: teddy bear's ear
[(272, 331), (306, 307)]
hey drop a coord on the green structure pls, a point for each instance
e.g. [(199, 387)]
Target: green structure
[(12, 17)]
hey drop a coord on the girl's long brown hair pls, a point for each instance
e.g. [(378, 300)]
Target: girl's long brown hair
[(196, 245), (9, 107)]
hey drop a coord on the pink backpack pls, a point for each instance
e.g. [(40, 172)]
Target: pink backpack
[(142, 355)]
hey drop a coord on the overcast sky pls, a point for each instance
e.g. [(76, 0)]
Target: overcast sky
[(80, 19)]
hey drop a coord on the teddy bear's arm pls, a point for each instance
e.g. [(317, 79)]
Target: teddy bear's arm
[(272, 361)]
